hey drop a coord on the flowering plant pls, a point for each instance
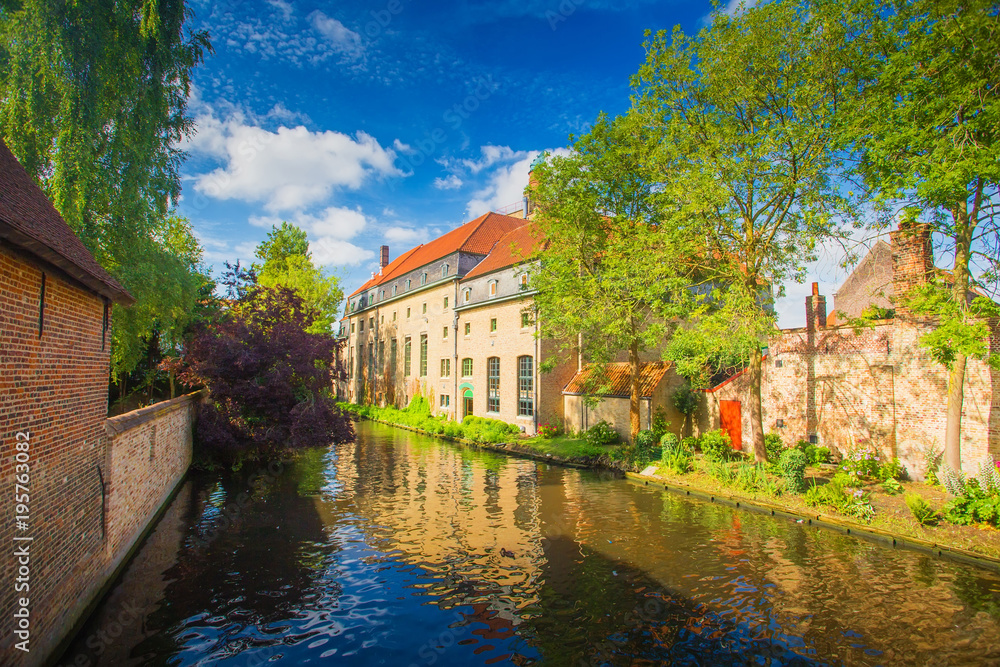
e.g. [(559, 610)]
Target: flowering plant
[(549, 430)]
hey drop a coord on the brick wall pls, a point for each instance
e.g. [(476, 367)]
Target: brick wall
[(877, 387), (54, 386)]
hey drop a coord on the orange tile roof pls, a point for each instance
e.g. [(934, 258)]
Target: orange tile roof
[(514, 247), (619, 379), (477, 236)]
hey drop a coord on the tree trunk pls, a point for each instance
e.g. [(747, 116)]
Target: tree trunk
[(756, 410), (173, 391), (634, 397), (956, 376)]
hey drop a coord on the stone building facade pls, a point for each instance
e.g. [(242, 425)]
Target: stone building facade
[(453, 321), (844, 388)]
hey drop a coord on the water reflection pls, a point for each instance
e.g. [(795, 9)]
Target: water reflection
[(399, 549)]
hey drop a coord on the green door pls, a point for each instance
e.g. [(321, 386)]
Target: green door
[(467, 403)]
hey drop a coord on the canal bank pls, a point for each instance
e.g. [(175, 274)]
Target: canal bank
[(796, 510)]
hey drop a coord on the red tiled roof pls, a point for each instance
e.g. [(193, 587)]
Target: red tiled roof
[(618, 381), (477, 236), (29, 221), (514, 247)]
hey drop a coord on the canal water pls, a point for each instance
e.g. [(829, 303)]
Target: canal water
[(403, 550)]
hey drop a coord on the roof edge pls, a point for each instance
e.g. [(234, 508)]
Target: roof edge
[(48, 255)]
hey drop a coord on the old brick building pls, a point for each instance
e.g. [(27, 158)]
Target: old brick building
[(90, 487), (453, 320), (875, 386)]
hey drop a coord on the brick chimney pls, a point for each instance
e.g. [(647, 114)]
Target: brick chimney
[(384, 260), (815, 309), (912, 260)]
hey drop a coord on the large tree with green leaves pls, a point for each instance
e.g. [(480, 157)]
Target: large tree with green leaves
[(926, 129), (745, 111), (605, 279), (92, 102), (284, 260)]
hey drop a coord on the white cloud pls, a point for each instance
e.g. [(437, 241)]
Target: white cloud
[(405, 235), (490, 156), (288, 169), (331, 251), (343, 39), (505, 185), (453, 182), (329, 232)]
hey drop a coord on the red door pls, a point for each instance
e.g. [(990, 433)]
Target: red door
[(732, 422)]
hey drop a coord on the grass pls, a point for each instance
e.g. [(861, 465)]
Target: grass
[(564, 446), (891, 512)]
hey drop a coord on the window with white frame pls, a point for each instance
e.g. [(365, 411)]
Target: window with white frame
[(493, 384), (493, 288), (444, 271), (467, 295), (423, 278)]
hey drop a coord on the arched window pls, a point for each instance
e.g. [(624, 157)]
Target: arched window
[(524, 281), (493, 288), (525, 387), (423, 278), (408, 284), (467, 295), (444, 271), (493, 384), (394, 290)]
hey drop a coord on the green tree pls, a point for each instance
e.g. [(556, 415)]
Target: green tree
[(925, 128), (285, 261), (93, 97), (605, 279), (746, 111), (281, 243)]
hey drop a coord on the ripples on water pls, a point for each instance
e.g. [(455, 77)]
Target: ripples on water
[(402, 550)]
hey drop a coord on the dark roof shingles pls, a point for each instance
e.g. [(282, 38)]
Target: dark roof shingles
[(30, 222)]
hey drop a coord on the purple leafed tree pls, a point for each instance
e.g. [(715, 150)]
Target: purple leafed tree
[(270, 381)]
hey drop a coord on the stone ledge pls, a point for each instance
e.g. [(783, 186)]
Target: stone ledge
[(118, 425)]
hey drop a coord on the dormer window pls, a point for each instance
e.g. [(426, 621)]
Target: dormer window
[(394, 290), (381, 295), (467, 295), (493, 288), (444, 271), (524, 281), (423, 278), (408, 281)]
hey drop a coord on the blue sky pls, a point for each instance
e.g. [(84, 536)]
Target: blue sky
[(393, 121)]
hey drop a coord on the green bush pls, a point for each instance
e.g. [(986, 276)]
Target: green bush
[(793, 467), (601, 434), (660, 423), (818, 455), (668, 445), (774, 446), (974, 506), (922, 512), (891, 486), (677, 460), (744, 476), (716, 446), (892, 469), (647, 440), (690, 443), (834, 495)]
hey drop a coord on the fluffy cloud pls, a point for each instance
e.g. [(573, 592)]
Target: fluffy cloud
[(405, 235), (329, 231), (505, 184), (453, 182), (288, 169), (343, 39)]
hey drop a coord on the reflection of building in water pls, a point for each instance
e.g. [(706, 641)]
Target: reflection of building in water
[(452, 512)]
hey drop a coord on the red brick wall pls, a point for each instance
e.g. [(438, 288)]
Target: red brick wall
[(55, 387)]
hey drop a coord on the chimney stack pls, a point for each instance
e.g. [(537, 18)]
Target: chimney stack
[(384, 261), (815, 309), (912, 260)]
